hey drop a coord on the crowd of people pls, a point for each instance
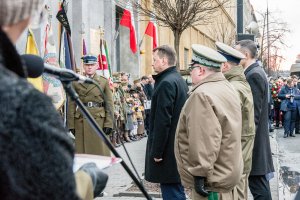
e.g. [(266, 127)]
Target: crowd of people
[(285, 105)]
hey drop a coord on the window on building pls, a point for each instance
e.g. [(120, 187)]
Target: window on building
[(186, 58)]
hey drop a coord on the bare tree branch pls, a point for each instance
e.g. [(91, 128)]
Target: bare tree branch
[(179, 15)]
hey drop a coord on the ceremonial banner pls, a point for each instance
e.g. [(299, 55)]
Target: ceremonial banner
[(31, 48), (52, 86), (95, 41), (63, 19)]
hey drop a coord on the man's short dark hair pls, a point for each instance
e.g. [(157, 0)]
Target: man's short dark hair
[(249, 46), (144, 78), (166, 51)]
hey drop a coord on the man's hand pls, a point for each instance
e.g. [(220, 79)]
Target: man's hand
[(107, 131), (199, 186), (158, 159)]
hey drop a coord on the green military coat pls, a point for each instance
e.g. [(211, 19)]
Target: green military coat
[(86, 140), (238, 80)]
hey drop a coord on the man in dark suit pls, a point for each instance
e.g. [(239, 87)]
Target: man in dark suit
[(262, 164), (148, 90), (169, 96)]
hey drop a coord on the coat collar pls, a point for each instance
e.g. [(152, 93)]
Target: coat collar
[(218, 76), (235, 74), (162, 74), (89, 87), (252, 66)]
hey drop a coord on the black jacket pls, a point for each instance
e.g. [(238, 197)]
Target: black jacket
[(262, 162), (148, 90), (36, 154), (169, 96)]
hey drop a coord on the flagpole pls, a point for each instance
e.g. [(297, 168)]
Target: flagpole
[(140, 44), (82, 32)]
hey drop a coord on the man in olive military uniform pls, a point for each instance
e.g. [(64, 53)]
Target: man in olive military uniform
[(86, 140), (234, 73)]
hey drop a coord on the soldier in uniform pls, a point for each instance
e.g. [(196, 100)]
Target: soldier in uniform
[(86, 140), (115, 137), (208, 137)]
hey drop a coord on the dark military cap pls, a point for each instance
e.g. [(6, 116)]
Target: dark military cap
[(229, 53), (206, 56), (89, 59)]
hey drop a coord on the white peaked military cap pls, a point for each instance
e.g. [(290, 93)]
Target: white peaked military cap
[(206, 56), (229, 53)]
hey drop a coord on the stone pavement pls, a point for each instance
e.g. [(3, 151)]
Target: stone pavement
[(119, 180), (289, 161)]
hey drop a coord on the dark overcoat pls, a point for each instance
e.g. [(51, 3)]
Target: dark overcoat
[(169, 96), (36, 153), (262, 162)]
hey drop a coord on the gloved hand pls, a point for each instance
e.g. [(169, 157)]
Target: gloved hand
[(99, 178), (107, 131), (71, 133), (199, 186)]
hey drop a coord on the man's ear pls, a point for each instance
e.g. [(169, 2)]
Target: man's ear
[(165, 60), (201, 70)]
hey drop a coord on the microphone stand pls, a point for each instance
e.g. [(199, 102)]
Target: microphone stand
[(74, 96)]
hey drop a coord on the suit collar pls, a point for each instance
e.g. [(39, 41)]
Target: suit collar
[(252, 66)]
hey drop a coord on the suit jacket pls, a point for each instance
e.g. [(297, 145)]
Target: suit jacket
[(262, 162)]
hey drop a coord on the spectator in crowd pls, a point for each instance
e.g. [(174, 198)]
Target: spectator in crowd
[(169, 95), (262, 163), (208, 137), (234, 73), (290, 97), (275, 89), (148, 90)]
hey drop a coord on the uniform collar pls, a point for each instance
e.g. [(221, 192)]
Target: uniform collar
[(218, 76)]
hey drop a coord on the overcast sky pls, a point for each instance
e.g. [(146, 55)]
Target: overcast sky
[(289, 12)]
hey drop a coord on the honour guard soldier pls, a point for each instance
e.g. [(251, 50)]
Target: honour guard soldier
[(86, 140)]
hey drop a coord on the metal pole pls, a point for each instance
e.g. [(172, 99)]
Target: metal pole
[(240, 14), (268, 39)]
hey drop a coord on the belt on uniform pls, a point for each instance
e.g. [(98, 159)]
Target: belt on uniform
[(93, 104)]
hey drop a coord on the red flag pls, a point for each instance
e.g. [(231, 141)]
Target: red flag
[(151, 30), (127, 20)]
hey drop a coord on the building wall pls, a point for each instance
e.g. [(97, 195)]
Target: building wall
[(91, 14), (224, 22)]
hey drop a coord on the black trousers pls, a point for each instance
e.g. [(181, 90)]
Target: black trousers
[(260, 187), (147, 121)]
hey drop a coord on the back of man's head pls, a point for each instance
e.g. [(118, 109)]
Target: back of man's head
[(14, 11), (249, 46), (168, 52)]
